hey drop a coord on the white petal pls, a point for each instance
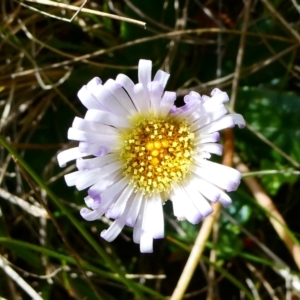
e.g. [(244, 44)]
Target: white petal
[(207, 138), (103, 96), (106, 118), (210, 117), (208, 190), (128, 85), (68, 155), (190, 211), (72, 177), (192, 107), (224, 199), (222, 176), (137, 229), (90, 177), (142, 96), (198, 200), (90, 215), (144, 71), (93, 83), (112, 193), (113, 231), (211, 148), (218, 96), (239, 120), (225, 122), (158, 231), (95, 149), (120, 204), (115, 228), (99, 187), (88, 100), (146, 245), (162, 77), (89, 201), (153, 221), (178, 207), (120, 95), (134, 209), (155, 90), (92, 203), (167, 102), (100, 139), (94, 163), (93, 127)]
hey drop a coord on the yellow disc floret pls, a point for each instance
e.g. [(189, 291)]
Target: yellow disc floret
[(156, 152)]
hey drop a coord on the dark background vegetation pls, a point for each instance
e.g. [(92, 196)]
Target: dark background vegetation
[(43, 63)]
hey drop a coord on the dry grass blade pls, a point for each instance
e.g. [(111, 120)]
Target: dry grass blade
[(84, 10), (274, 216)]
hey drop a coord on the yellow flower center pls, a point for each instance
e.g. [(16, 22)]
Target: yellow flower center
[(156, 152)]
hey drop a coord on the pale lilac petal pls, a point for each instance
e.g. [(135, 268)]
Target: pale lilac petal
[(120, 95), (155, 90), (106, 118), (94, 163), (144, 71), (95, 149), (95, 190), (225, 122), (190, 211), (115, 228), (113, 231), (158, 231), (208, 190), (101, 139), (224, 199), (166, 103), (211, 148), (134, 209), (128, 85), (120, 204), (89, 201), (137, 229), (207, 138), (90, 215), (198, 200), (92, 203), (222, 176), (239, 120), (162, 77), (90, 177), (72, 177), (93, 127), (219, 96), (209, 117), (93, 83), (103, 96), (88, 100), (114, 191), (142, 96), (68, 155)]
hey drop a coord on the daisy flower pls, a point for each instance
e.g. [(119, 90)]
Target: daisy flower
[(137, 150)]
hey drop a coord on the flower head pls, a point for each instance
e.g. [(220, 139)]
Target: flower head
[(137, 150)]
